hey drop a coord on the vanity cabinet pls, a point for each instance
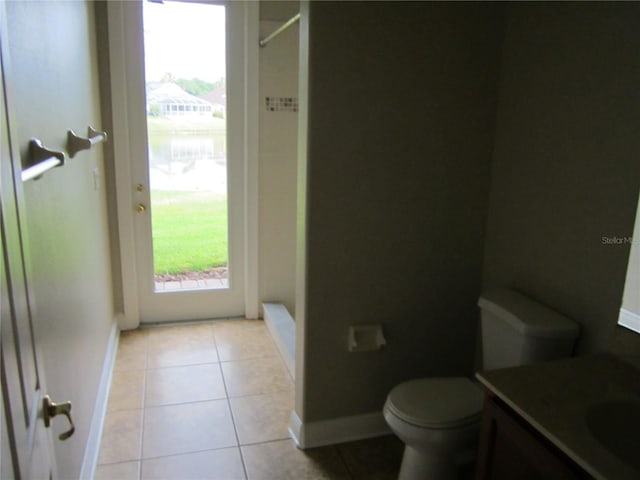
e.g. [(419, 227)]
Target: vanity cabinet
[(512, 449)]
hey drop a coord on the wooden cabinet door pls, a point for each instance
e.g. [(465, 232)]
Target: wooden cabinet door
[(510, 449)]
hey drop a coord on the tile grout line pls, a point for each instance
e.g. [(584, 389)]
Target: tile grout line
[(262, 442), (188, 402), (184, 454), (144, 402), (345, 464), (233, 419), (146, 369)]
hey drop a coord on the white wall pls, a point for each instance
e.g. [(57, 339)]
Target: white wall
[(55, 87), (278, 166)]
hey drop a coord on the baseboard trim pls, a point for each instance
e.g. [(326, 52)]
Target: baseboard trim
[(283, 330), (92, 449), (337, 430), (630, 320)]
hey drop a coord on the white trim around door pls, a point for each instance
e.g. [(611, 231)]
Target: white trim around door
[(125, 46)]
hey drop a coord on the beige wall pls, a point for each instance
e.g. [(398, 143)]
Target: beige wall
[(400, 131), (54, 87), (279, 10), (278, 167), (565, 170)]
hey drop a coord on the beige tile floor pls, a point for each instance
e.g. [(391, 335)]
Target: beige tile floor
[(212, 401)]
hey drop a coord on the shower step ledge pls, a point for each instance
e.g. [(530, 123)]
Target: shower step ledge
[(283, 330)]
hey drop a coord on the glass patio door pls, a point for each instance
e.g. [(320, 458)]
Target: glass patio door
[(188, 191)]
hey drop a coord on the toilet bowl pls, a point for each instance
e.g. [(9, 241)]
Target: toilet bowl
[(438, 419)]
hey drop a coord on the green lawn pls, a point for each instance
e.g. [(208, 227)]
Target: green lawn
[(189, 231)]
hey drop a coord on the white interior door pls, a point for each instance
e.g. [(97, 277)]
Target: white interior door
[(26, 444), (187, 148)]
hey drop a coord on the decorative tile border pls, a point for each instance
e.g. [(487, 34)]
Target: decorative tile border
[(281, 104)]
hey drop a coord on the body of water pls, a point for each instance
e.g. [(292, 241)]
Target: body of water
[(188, 162)]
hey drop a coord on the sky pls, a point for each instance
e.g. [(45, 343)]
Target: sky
[(185, 39)]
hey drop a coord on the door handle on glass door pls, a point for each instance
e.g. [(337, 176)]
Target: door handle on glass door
[(140, 208)]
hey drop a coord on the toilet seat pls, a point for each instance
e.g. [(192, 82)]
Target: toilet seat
[(436, 402)]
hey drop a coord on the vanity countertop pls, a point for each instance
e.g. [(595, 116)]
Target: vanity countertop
[(554, 398)]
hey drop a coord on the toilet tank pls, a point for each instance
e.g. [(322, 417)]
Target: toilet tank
[(517, 330)]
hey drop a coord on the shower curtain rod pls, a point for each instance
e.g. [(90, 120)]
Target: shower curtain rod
[(290, 22)]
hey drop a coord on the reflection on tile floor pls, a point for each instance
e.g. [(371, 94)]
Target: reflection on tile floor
[(212, 401)]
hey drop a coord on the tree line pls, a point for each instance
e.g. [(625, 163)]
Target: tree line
[(194, 86)]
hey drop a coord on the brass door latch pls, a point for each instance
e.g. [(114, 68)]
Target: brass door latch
[(51, 409)]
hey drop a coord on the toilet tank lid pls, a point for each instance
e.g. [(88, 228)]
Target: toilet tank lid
[(526, 315)]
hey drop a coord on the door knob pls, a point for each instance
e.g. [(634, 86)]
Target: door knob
[(140, 208), (51, 409), (139, 187)]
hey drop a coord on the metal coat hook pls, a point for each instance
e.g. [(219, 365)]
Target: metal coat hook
[(75, 143)]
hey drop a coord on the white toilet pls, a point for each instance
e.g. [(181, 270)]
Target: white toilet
[(438, 419)]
